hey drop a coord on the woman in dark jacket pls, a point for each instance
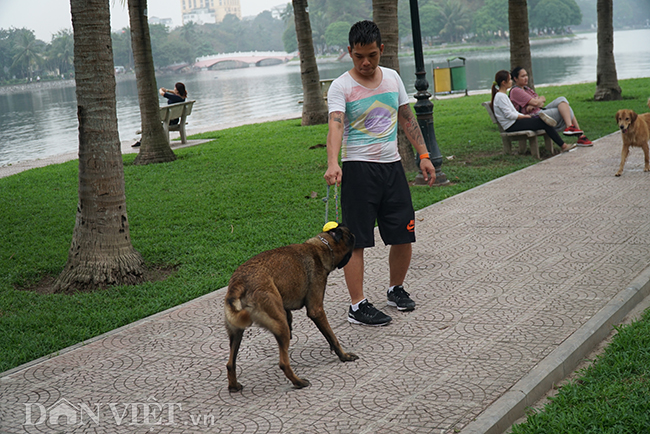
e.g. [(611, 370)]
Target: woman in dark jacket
[(173, 96)]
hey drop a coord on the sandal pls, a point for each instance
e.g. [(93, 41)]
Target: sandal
[(568, 147)]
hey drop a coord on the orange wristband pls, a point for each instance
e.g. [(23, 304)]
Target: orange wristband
[(423, 156)]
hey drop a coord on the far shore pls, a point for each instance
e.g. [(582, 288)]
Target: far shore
[(47, 84), (428, 51)]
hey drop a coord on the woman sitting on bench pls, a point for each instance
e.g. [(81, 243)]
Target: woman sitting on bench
[(511, 120), (179, 94), (527, 101)]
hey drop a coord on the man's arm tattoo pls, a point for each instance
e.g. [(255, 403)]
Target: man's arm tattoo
[(411, 127), (336, 117)]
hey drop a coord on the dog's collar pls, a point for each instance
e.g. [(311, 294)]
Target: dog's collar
[(328, 246)]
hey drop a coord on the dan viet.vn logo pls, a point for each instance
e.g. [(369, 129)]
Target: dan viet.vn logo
[(150, 413)]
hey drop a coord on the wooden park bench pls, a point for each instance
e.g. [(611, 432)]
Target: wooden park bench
[(520, 136)]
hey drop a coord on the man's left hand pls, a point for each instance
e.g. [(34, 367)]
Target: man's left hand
[(428, 171)]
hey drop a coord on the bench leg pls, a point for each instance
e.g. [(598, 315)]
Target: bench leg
[(548, 143), (166, 128), (534, 147), (181, 129), (507, 145), (522, 146)]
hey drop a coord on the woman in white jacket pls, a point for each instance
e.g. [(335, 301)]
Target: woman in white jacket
[(511, 120)]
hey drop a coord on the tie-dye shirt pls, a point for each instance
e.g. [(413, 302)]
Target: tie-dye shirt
[(370, 116)]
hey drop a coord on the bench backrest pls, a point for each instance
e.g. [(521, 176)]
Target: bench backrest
[(177, 110), (486, 104), (528, 133)]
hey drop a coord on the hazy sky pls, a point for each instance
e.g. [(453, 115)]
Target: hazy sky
[(47, 17)]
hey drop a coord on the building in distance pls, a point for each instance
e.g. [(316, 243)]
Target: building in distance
[(209, 11), (164, 21)]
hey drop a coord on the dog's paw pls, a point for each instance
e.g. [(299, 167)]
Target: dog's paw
[(647, 169), (301, 383), (236, 388), (348, 357), (618, 173)]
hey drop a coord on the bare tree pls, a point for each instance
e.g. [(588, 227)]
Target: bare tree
[(607, 88), (314, 108), (154, 145), (101, 252), (384, 14), (519, 41)]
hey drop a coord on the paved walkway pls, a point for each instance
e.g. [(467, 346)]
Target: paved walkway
[(515, 281)]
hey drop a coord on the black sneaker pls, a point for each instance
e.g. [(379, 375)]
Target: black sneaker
[(400, 299), (369, 315)]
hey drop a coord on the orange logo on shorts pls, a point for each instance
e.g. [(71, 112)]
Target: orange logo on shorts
[(411, 226)]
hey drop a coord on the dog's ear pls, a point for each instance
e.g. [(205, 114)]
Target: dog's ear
[(618, 116), (633, 116), (336, 233), (345, 260)]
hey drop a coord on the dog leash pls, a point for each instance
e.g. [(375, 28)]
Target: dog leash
[(327, 202)]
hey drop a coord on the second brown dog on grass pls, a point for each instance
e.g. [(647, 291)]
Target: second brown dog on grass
[(635, 130), (265, 289)]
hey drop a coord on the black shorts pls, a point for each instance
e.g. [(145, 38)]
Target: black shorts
[(377, 192)]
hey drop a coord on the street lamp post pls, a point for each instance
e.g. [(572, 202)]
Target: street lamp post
[(424, 106)]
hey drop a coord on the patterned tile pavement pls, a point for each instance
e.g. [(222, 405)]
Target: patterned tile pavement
[(506, 277)]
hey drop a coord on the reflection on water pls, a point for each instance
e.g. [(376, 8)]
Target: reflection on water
[(43, 122)]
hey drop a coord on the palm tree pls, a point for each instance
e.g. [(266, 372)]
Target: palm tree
[(519, 42), (607, 88), (384, 14), (491, 20), (286, 14), (154, 145), (454, 20), (101, 253), (28, 53), (314, 109), (61, 51)]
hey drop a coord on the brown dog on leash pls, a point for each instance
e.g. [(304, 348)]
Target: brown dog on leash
[(635, 130), (265, 289)]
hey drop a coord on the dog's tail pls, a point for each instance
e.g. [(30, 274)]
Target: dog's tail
[(648, 102), (236, 315)]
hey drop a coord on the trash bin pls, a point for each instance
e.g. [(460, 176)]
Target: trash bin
[(451, 79), (458, 75), (441, 80)]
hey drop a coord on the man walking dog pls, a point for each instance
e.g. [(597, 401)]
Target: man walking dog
[(365, 105)]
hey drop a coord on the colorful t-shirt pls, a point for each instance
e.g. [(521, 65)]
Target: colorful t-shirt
[(370, 116)]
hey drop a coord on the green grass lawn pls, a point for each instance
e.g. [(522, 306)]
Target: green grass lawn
[(611, 396), (218, 204)]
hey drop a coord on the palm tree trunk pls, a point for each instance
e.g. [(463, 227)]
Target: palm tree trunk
[(101, 253), (154, 147), (384, 14), (519, 41), (607, 88), (314, 109)]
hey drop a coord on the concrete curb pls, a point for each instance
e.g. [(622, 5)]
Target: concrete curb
[(512, 405)]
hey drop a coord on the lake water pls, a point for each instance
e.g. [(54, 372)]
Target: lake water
[(41, 121)]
